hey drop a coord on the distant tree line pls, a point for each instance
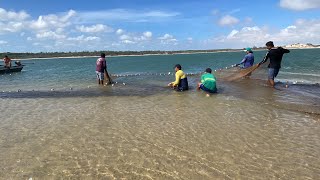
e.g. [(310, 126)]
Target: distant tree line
[(27, 55)]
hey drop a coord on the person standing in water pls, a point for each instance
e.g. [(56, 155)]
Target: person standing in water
[(101, 65), (248, 59), (275, 56), (7, 61), (208, 82), (181, 82)]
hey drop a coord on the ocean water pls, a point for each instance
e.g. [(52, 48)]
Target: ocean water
[(63, 125)]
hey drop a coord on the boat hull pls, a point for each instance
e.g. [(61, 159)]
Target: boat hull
[(4, 70)]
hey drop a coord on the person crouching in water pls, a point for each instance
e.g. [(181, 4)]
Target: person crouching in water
[(100, 67), (181, 82), (208, 82)]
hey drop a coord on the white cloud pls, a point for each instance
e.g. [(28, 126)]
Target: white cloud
[(119, 31), (125, 15), (3, 42), (29, 38), (190, 40), (232, 34), (247, 36), (52, 21), (11, 15), (82, 38), (258, 36), (228, 20), (300, 5), (50, 35), (134, 38), (167, 39), (147, 34), (94, 28), (128, 42), (11, 27), (125, 37), (22, 34)]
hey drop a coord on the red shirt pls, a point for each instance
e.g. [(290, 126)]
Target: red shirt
[(101, 65), (6, 60)]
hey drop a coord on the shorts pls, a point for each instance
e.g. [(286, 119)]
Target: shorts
[(207, 90), (100, 75), (273, 72)]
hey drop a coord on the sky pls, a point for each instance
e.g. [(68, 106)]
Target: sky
[(137, 25)]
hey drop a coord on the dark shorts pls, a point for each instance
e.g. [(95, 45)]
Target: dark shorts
[(273, 72), (183, 85), (207, 90)]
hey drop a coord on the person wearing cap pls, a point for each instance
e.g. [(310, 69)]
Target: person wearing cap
[(248, 59), (208, 82), (7, 61), (275, 55), (101, 65), (181, 82)]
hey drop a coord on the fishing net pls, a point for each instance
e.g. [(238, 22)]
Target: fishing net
[(236, 73)]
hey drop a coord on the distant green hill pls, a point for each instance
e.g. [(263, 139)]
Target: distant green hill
[(14, 55)]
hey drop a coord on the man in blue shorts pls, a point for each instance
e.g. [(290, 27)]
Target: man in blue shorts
[(275, 55), (208, 82)]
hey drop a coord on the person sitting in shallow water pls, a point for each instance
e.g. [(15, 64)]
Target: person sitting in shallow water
[(208, 82), (181, 82)]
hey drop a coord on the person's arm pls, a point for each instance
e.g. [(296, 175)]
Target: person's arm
[(284, 50), (243, 60), (265, 59), (178, 77), (202, 79)]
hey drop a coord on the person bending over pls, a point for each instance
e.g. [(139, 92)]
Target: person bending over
[(248, 59), (181, 82), (208, 82), (275, 55)]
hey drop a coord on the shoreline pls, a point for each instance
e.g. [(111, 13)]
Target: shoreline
[(133, 55), (137, 55)]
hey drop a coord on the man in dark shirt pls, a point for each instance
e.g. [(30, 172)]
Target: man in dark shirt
[(275, 56)]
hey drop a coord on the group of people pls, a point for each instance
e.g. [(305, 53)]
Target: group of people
[(274, 55), (208, 80)]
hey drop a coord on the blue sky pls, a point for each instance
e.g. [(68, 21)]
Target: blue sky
[(34, 26)]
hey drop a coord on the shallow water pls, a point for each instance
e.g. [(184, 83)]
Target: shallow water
[(143, 130), (165, 135)]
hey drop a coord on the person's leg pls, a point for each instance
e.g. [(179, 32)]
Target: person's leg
[(271, 74), (271, 82), (98, 77), (198, 87), (101, 78)]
